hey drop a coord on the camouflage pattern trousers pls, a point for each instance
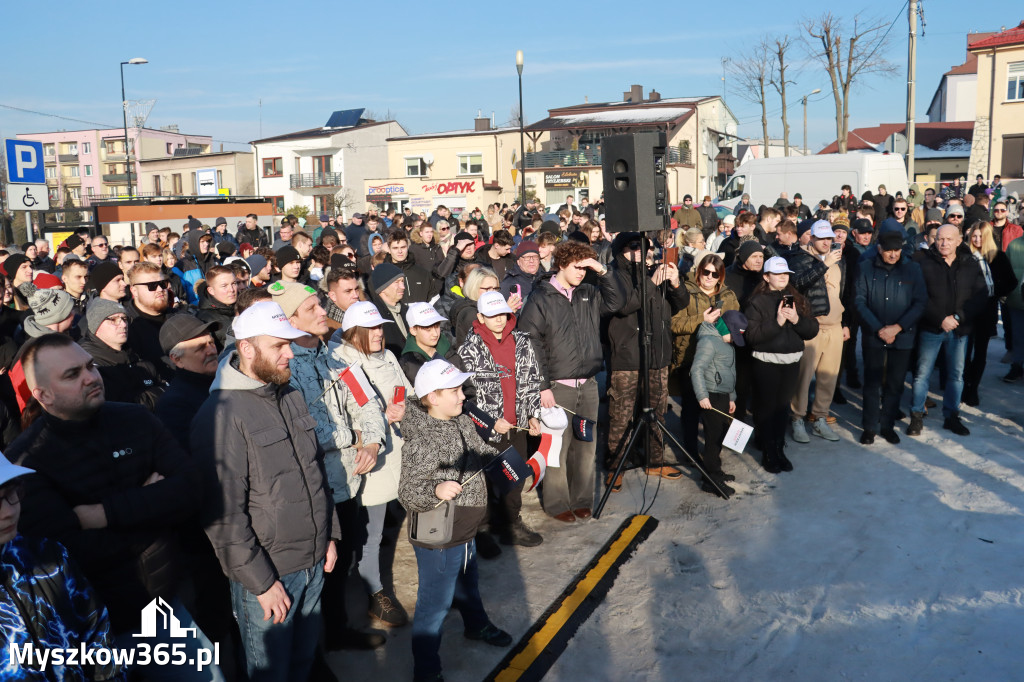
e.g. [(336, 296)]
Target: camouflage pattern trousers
[(623, 390)]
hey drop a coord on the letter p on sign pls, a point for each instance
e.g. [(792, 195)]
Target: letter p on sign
[(25, 162)]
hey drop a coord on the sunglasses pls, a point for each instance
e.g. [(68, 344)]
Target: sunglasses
[(444, 229), (101, 245), (999, 210), (153, 286), (709, 273), (900, 209), (958, 217)]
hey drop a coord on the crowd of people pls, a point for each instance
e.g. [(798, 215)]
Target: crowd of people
[(230, 421)]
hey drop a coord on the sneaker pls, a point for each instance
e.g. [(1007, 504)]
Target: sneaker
[(387, 610), (784, 463), (491, 634), (520, 534), (821, 428), (1015, 374), (867, 438), (955, 425), (724, 490), (916, 424), (890, 435), (800, 432)]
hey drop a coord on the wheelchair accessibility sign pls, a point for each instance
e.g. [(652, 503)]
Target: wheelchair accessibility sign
[(24, 197)]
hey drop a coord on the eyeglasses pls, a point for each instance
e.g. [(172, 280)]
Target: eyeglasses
[(958, 217), (709, 273), (999, 210), (350, 256), (153, 286), (12, 493), (901, 209), (117, 320), (444, 229), (101, 245)]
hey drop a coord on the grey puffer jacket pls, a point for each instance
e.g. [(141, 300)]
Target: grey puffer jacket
[(477, 358), (714, 365), (267, 508)]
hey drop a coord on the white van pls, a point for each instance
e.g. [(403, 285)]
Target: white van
[(815, 177)]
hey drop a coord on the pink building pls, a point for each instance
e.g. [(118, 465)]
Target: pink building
[(93, 163)]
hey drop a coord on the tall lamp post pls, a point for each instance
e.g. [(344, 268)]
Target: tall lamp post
[(522, 144), (124, 116), (804, 98)]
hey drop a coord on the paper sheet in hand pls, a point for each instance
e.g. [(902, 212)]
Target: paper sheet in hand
[(737, 436)]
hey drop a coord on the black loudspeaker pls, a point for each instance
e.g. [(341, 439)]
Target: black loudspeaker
[(635, 182)]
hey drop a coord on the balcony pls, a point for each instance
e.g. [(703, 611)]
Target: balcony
[(115, 177), (49, 158), (308, 180), (112, 156), (71, 179), (67, 158), (590, 157)]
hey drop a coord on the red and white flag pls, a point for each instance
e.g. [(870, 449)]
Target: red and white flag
[(357, 383)]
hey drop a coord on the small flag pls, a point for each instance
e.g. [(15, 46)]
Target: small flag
[(481, 420), (582, 428), (539, 465), (552, 431), (356, 380), (21, 389), (737, 436), (507, 471)]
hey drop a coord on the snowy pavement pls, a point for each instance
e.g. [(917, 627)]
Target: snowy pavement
[(871, 563)]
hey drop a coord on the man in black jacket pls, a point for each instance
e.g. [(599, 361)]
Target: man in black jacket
[(217, 296), (251, 233), (664, 298), (497, 255), (956, 294), (420, 286), (387, 292), (147, 310), (188, 344), (708, 216), (563, 318), (126, 378)]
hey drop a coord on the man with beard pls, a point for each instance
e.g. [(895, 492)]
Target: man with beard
[(251, 233), (267, 506), (147, 312)]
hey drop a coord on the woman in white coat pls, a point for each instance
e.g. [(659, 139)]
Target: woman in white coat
[(363, 344)]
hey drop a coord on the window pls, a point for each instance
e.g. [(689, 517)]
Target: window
[(415, 167), (278, 204), (87, 148), (170, 149), (51, 171), (321, 164), (54, 196), (195, 187), (272, 168), (321, 203), (1015, 83), (220, 179), (49, 150), (89, 191), (156, 185), (76, 193), (471, 164), (176, 183), (74, 172), (73, 149), (88, 171)]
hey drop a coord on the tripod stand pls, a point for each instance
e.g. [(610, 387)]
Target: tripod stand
[(644, 419)]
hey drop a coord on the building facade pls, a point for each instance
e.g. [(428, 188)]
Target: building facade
[(324, 168), (999, 131), (225, 173), (92, 163)]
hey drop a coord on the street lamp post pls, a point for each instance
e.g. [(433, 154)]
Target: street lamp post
[(522, 143), (124, 117), (804, 98)]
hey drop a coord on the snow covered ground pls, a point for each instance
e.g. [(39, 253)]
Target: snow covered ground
[(865, 563)]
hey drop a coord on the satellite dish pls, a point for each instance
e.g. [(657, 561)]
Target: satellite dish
[(429, 158), (897, 144)]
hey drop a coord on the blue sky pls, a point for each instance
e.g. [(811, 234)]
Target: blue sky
[(431, 65)]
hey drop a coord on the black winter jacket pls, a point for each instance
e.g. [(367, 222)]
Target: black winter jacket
[(144, 338), (623, 326), (126, 378), (180, 402), (742, 282), (501, 266), (764, 333), (957, 289), (105, 460), (212, 310), (566, 334), (420, 285), (1003, 282), (808, 276), (888, 295)]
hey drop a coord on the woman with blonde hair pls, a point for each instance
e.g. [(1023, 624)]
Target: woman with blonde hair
[(1000, 280), (463, 313)]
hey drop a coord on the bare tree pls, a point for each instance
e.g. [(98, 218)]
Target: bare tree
[(847, 53), (751, 73), (780, 47), (513, 117)]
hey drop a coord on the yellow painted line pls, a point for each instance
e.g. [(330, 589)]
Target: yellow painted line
[(540, 639)]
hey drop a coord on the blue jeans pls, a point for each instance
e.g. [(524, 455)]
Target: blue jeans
[(173, 673), (928, 346), (447, 577), (280, 653)]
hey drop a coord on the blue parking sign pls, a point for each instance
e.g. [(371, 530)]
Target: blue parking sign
[(25, 162)]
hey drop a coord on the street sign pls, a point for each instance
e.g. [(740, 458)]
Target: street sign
[(25, 162), (27, 197)]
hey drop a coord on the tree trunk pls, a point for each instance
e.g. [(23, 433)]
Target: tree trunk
[(764, 120)]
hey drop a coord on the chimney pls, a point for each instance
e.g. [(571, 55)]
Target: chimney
[(481, 122), (636, 94), (654, 96)]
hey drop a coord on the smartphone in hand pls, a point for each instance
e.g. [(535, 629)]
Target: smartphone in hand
[(672, 255), (788, 301)]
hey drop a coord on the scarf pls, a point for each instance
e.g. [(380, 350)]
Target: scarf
[(504, 353), (985, 270)]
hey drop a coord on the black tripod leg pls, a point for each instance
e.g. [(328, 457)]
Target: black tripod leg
[(703, 473), (638, 425)]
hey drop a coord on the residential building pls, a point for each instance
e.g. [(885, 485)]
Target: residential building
[(941, 151), (999, 131), (700, 132), (188, 174), (93, 163), (459, 169), (754, 149), (324, 168), (956, 97)]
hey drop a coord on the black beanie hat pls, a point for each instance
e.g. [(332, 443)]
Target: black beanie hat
[(13, 262), (102, 274), (383, 275), (746, 250), (286, 254)]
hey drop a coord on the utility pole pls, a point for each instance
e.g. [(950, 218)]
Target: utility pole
[(911, 77)]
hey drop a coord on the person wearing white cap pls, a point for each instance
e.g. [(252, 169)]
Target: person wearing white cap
[(351, 435), (268, 510), (443, 453), (427, 341), (823, 355), (52, 604), (779, 322), (362, 343), (714, 241), (506, 378)]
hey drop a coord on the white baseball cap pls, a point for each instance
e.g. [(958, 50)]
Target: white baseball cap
[(9, 472), (422, 314), (362, 314), (822, 229), (264, 319), (492, 303), (777, 266), (437, 374)]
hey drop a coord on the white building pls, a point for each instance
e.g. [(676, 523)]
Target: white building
[(754, 149), (954, 99), (324, 168)]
